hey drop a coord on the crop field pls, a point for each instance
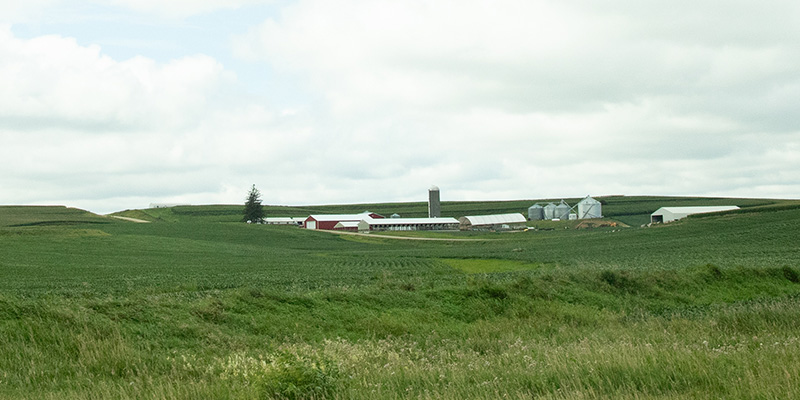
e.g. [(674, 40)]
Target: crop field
[(198, 305)]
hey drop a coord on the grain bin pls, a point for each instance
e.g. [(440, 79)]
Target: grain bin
[(549, 211), (589, 208), (535, 212), (562, 211)]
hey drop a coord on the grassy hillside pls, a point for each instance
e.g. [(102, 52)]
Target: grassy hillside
[(197, 306), (20, 216)]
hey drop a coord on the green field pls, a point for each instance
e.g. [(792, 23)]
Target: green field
[(197, 305)]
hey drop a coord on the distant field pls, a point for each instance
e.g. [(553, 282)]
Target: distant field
[(20, 216), (198, 305)]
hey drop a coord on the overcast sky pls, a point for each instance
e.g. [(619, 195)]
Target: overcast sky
[(114, 104)]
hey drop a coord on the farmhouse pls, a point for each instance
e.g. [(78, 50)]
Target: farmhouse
[(407, 224), (493, 222), (329, 221), (669, 214)]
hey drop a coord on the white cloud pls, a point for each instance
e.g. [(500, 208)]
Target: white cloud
[(501, 99), (454, 88), (181, 8), (77, 124), (51, 81)]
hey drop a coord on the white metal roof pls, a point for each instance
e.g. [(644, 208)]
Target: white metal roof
[(694, 210), (409, 221), (347, 224), (284, 219), (589, 200), (340, 217), (515, 218)]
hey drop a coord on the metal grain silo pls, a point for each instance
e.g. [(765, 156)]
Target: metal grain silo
[(535, 212), (562, 211), (589, 208), (549, 211)]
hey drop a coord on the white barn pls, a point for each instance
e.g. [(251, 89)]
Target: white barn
[(669, 214), (497, 221), (284, 221), (407, 224)]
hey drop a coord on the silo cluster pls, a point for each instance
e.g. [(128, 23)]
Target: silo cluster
[(587, 208)]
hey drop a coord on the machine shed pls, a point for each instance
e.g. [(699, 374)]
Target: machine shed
[(669, 214), (407, 224), (284, 221), (498, 221)]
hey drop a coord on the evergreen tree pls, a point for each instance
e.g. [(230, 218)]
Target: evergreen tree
[(253, 211)]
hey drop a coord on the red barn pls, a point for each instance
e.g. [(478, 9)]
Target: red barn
[(328, 222)]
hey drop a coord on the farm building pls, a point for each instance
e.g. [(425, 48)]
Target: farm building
[(562, 211), (494, 222), (346, 226), (407, 224), (284, 221), (434, 204), (589, 208), (329, 221), (669, 214), (549, 211), (535, 212)]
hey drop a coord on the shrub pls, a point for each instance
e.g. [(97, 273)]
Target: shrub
[(494, 292), (713, 271), (791, 274), (296, 372), (619, 280)]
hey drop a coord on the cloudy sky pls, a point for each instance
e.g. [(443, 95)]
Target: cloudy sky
[(113, 104)]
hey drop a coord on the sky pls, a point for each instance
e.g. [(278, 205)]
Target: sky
[(108, 105)]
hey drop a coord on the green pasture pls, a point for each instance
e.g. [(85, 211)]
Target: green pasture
[(198, 305)]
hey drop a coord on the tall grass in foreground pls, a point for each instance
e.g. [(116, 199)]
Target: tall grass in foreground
[(642, 338)]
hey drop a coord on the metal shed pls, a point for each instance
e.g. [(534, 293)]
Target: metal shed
[(407, 224), (498, 221), (669, 214)]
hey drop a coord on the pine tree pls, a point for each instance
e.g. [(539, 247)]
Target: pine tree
[(253, 211)]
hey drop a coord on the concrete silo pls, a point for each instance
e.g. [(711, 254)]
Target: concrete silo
[(434, 206), (549, 211), (589, 208), (562, 211), (535, 212)]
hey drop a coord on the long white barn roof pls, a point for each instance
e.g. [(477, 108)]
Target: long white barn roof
[(694, 210), (340, 217), (409, 221), (515, 218), (284, 219)]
